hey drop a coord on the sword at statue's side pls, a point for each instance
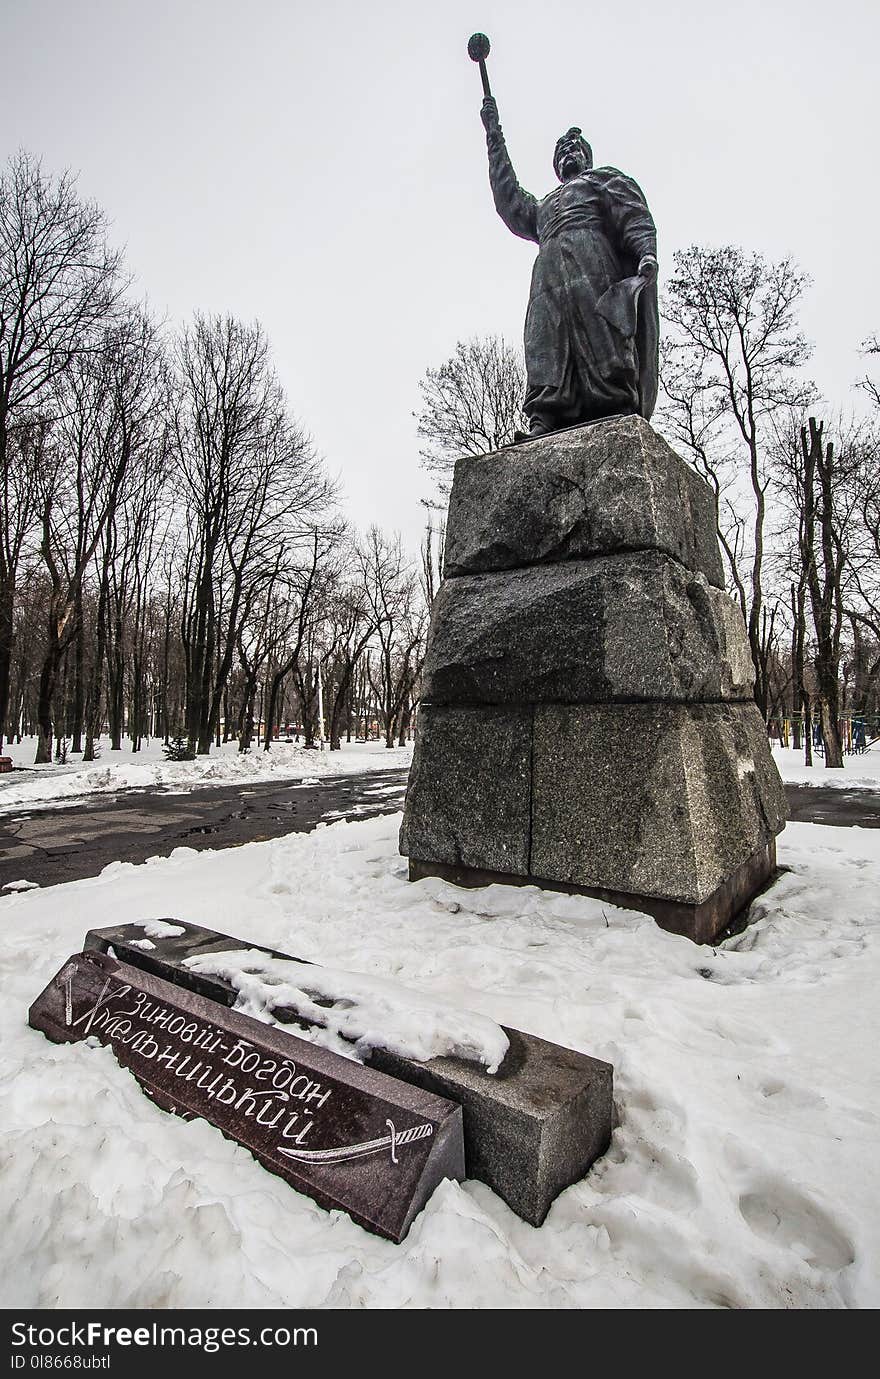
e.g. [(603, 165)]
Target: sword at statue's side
[(478, 51)]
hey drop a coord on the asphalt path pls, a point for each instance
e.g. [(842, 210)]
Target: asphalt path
[(57, 844), (829, 804), (52, 845)]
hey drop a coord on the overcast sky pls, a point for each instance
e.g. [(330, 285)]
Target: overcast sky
[(321, 166)]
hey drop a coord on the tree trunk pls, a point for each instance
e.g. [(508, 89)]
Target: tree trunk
[(76, 727), (7, 637), (48, 679), (93, 706), (116, 692), (274, 689), (808, 730), (227, 717), (405, 718), (830, 714)]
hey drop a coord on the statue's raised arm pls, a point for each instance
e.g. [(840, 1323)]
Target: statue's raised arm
[(517, 208), (592, 331)]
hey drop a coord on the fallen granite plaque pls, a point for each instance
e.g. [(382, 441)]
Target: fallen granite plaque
[(348, 1136), (530, 1130)]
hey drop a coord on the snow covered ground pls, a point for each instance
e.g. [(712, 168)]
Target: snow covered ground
[(148, 769), (743, 1168), (860, 772)]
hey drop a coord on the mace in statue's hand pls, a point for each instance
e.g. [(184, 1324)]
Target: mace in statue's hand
[(489, 114)]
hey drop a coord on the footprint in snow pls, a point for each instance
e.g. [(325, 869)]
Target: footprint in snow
[(788, 1096), (786, 1217)]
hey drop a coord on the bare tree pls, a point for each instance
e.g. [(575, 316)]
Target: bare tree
[(103, 405), (729, 364), (820, 489), (396, 609), (863, 606), (251, 480), (58, 284), (471, 404), (824, 557), (867, 384), (351, 618), (431, 551), (309, 587), (136, 524), (264, 628)]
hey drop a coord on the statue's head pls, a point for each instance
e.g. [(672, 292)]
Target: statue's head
[(572, 156)]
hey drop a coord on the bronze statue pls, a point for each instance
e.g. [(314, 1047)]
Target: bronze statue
[(591, 332)]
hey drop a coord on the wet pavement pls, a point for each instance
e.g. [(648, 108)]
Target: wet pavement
[(56, 844), (828, 804)]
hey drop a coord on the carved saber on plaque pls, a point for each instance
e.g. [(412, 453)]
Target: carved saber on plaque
[(359, 1151)]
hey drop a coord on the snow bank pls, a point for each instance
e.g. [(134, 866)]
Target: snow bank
[(57, 785), (369, 1012), (742, 1170)]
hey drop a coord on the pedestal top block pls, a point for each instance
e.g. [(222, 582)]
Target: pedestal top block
[(593, 490)]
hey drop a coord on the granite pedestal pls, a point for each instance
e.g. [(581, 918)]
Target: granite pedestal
[(587, 720)]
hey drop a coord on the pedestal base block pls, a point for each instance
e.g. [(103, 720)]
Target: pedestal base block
[(671, 809)]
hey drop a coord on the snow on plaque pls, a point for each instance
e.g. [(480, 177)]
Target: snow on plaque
[(346, 1135)]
